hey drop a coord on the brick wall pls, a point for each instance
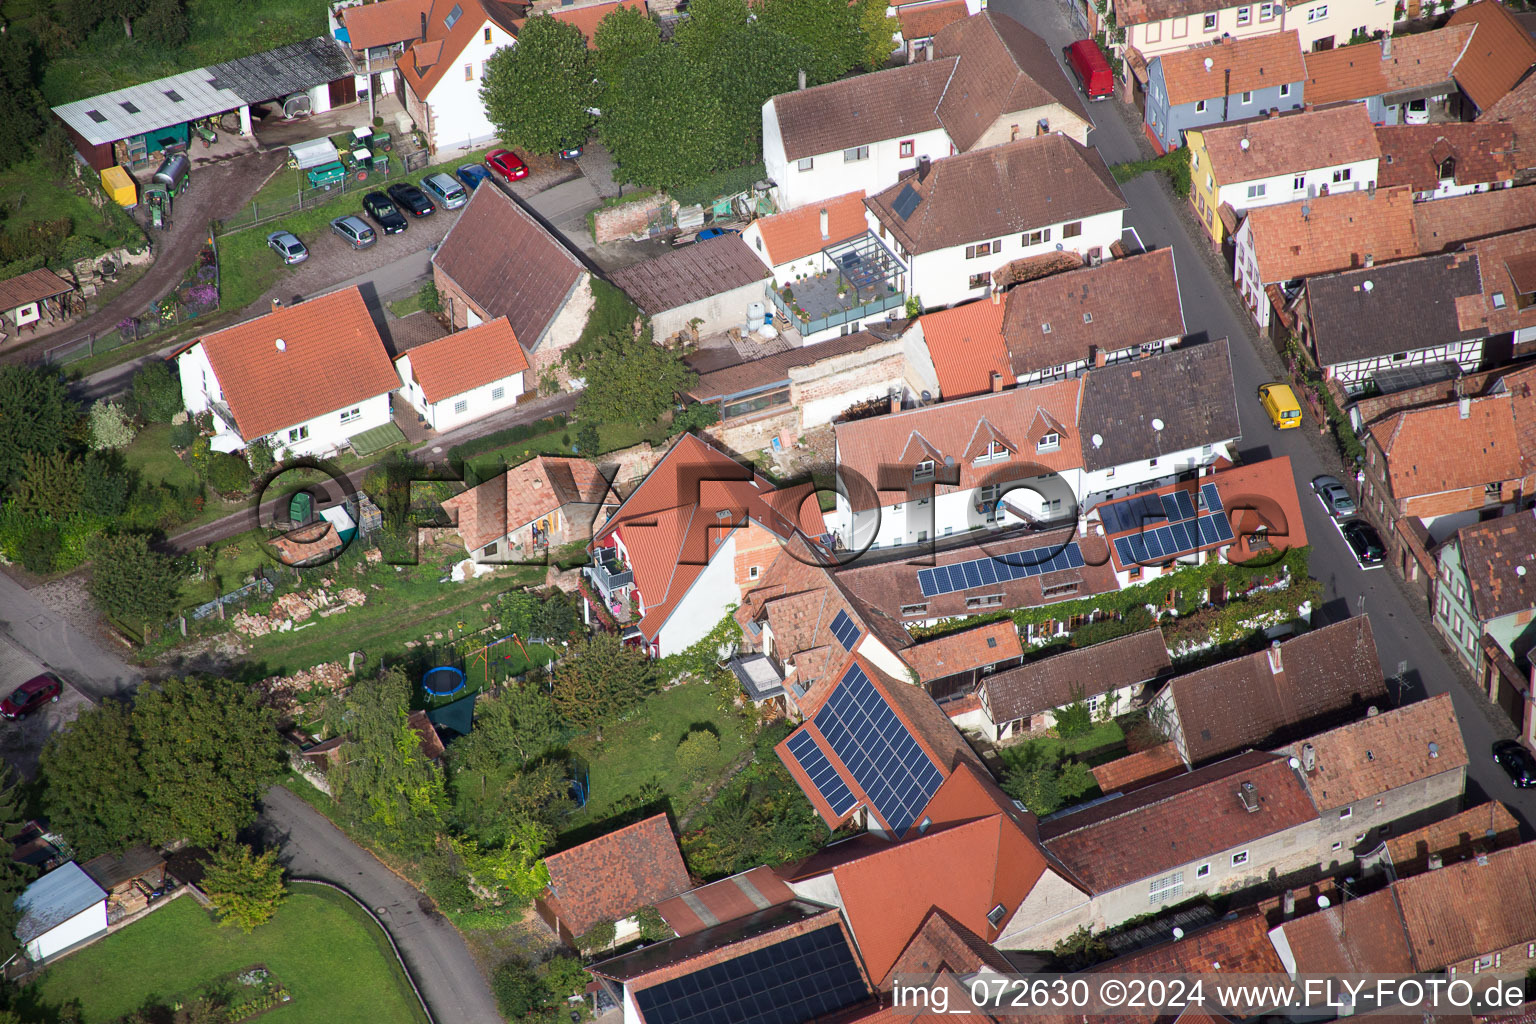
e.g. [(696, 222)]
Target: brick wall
[(455, 302), (615, 222), (750, 435), (755, 546)]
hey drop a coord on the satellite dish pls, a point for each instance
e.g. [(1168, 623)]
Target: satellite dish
[(1098, 440), (1243, 143), (1369, 287), (1209, 63), (1157, 424), (1178, 933), (282, 346), (1519, 570), (1295, 763), (1323, 903), (949, 460)]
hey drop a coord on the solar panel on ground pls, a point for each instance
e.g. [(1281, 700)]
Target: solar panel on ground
[(846, 631), (980, 572), (885, 760), (805, 977), (813, 761)]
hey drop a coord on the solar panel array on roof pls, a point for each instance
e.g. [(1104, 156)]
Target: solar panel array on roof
[(906, 202), (1181, 535), (886, 761), (813, 760), (1141, 510), (981, 572), (846, 631), (803, 978)]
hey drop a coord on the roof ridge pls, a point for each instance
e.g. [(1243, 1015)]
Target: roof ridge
[(1268, 760)]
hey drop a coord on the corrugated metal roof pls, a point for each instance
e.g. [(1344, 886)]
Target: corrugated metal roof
[(55, 898), (147, 107), (203, 92)]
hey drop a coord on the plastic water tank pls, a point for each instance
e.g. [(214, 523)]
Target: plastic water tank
[(756, 315)]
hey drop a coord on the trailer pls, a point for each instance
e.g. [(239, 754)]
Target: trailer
[(319, 162)]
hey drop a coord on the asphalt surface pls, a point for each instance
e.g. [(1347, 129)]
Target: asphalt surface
[(309, 846), (1410, 651)]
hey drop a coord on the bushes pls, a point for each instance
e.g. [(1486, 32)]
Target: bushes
[(502, 438), (599, 936), (227, 474), (109, 427), (156, 392)]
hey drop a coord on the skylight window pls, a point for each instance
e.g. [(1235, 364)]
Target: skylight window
[(95, 115), (129, 107), (173, 95), (453, 16)]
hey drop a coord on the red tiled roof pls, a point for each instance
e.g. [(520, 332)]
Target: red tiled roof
[(331, 358), (1448, 223), (1360, 936), (1140, 769), (1471, 908), (616, 874), (966, 345), (586, 18), (425, 64), (673, 524), (1498, 258), (794, 235), (1254, 63), (896, 103), (1169, 824), (1435, 449), (726, 900), (1336, 233), (1400, 747), (965, 651), (1499, 558), (523, 494), (1263, 506), (944, 945), (1413, 154), (1500, 54), (467, 359), (384, 23), (1290, 143), (1017, 419), (1053, 681), (1480, 829), (1258, 697), (1362, 71), (924, 20)]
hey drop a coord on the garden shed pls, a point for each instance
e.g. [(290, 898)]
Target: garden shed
[(59, 911), (39, 296), (714, 282), (129, 878)]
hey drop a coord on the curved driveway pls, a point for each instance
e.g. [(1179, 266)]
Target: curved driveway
[(434, 952)]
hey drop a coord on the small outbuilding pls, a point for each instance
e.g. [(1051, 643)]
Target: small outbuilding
[(60, 911), (40, 296), (713, 282), (131, 878), (464, 376)]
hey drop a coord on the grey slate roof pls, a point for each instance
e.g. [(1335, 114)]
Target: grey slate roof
[(55, 898), (1395, 307), (287, 69), (687, 275), (508, 264), (1189, 390)]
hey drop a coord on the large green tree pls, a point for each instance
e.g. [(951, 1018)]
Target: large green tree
[(134, 583), (37, 415), (156, 391), (631, 380), (209, 750), (245, 889), (21, 108), (877, 33), (828, 29), (539, 93), (94, 785), (656, 137), (624, 35), (600, 680)]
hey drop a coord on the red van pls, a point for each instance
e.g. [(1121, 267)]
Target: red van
[(1092, 70)]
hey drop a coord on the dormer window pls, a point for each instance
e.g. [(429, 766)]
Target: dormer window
[(1448, 169), (1048, 443), (996, 452), (924, 470)]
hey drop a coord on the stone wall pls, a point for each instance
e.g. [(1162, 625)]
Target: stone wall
[(630, 219)]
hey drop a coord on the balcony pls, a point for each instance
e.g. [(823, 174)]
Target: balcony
[(609, 575), (859, 279)]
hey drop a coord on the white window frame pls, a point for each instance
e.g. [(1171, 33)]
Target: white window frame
[(1343, 174), (854, 154), (1167, 889), (354, 413), (1194, 160), (923, 470), (1208, 23), (298, 434), (1240, 858), (497, 394), (805, 163), (996, 452), (1317, 13), (1257, 191), (1203, 871), (461, 406), (1247, 98), (1285, 90), (1244, 15), (1048, 442)]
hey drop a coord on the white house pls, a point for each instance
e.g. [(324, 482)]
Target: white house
[(465, 376), (59, 911), (1359, 323), (308, 377), (1281, 158), (956, 221), (991, 81), (790, 243)]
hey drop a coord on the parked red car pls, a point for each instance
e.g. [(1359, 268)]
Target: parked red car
[(1092, 70), (507, 164), (31, 695)]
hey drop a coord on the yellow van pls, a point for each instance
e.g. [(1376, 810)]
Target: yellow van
[(1280, 404)]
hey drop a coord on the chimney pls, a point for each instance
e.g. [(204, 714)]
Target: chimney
[(277, 304), (826, 230), (1434, 862), (1248, 794), (895, 401), (1289, 904), (1370, 260), (1308, 757), (1274, 114), (923, 166), (1100, 357), (423, 26), (1276, 663), (1464, 404), (802, 70), (997, 296), (997, 381)]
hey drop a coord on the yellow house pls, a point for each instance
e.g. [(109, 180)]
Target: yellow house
[(1203, 188)]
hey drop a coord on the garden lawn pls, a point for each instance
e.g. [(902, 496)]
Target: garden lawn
[(334, 961), (237, 558), (247, 268), (152, 457), (1104, 742), (410, 607), (642, 749), (612, 437)]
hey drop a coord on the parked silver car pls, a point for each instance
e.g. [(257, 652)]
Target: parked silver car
[(354, 231), (287, 246), (445, 189)]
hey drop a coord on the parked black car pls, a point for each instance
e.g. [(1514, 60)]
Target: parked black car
[(384, 213), (1364, 541), (411, 199), (1517, 762)]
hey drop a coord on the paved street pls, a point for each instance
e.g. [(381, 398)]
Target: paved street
[(1211, 309), (311, 847)]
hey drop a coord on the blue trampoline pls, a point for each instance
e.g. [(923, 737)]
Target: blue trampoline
[(443, 681)]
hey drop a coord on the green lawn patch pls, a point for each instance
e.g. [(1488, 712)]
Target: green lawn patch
[(409, 607), (33, 193), (233, 561), (152, 456), (642, 750), (1104, 742), (406, 306), (335, 962), (614, 436)]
